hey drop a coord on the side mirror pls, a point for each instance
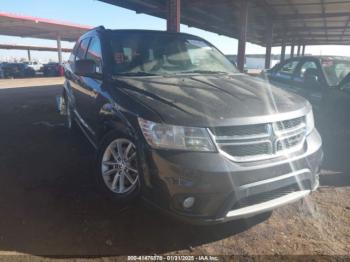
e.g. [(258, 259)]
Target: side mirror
[(86, 67)]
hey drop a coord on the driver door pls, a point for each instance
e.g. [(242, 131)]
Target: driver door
[(312, 89)]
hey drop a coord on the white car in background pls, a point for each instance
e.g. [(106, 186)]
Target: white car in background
[(35, 65)]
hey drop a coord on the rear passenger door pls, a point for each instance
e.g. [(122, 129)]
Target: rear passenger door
[(87, 90), (312, 93), (91, 89), (78, 84)]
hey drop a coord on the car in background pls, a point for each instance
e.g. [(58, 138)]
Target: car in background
[(1, 72), (51, 69), (17, 70), (35, 65), (172, 119), (323, 80)]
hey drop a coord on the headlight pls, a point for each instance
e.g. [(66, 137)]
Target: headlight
[(176, 137), (310, 122)]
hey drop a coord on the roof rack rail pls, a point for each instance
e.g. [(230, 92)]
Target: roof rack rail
[(101, 27)]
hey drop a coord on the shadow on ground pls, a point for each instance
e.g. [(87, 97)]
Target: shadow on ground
[(49, 205)]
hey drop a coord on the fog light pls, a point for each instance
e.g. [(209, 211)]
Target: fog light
[(188, 202)]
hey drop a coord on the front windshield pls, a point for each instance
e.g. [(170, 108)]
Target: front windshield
[(335, 70), (159, 54)]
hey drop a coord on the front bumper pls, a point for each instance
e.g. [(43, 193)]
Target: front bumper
[(226, 190)]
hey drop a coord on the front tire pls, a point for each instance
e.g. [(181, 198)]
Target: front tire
[(117, 175)]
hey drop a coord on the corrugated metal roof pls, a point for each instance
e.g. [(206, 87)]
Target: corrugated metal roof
[(301, 21), (27, 26)]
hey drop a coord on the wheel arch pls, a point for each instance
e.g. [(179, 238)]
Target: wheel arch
[(116, 122)]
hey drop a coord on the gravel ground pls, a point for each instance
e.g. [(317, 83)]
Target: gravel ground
[(49, 205)]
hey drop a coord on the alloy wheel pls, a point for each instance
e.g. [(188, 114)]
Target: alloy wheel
[(119, 166)]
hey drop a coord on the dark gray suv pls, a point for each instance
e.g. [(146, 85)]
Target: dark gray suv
[(173, 120)]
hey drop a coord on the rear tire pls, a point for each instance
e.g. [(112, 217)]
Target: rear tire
[(69, 121)]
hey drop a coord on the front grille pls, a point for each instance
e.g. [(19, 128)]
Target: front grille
[(248, 150), (292, 123), (290, 142), (270, 195), (240, 130), (261, 141)]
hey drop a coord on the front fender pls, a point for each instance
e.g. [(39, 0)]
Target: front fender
[(113, 119)]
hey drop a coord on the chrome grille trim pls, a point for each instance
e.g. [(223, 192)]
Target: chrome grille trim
[(293, 139)]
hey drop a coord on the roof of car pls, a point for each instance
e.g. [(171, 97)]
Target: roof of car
[(323, 57), (141, 31), (334, 57)]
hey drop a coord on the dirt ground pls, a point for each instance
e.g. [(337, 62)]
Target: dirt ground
[(49, 205)]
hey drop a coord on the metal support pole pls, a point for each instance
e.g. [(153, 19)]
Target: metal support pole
[(242, 34), (174, 15), (299, 49), (283, 50), (269, 39), (303, 52), (59, 49), (292, 50), (29, 56)]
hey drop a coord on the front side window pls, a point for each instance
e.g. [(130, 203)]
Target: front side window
[(335, 70), (307, 65), (94, 53), (166, 54)]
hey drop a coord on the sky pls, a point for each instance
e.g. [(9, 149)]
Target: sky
[(95, 13)]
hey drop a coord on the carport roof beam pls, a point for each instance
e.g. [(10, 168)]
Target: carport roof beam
[(33, 48)]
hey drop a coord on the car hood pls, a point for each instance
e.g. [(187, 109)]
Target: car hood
[(213, 100)]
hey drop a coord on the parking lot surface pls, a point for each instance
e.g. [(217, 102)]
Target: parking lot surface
[(49, 205)]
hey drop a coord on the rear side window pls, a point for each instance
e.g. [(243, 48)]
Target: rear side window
[(95, 53), (74, 51), (81, 51), (289, 67)]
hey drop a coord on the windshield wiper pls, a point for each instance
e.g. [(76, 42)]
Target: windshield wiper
[(139, 73), (203, 72)]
